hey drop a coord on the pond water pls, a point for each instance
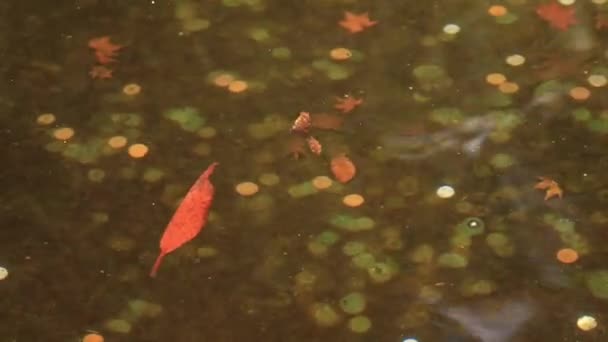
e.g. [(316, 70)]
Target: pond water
[(403, 171)]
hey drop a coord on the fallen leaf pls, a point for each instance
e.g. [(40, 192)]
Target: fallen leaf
[(550, 186), (560, 17), (314, 145), (189, 218), (302, 123), (356, 22), (100, 72), (343, 168), (326, 121), (105, 51), (347, 104)]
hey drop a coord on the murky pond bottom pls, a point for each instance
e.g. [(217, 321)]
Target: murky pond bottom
[(385, 172)]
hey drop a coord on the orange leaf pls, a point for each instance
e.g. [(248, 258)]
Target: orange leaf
[(347, 103), (560, 17), (356, 22), (314, 145), (343, 168), (302, 123), (105, 51), (550, 186)]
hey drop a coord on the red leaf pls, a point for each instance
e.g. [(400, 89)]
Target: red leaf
[(355, 23), (560, 17), (347, 103), (105, 51), (189, 218)]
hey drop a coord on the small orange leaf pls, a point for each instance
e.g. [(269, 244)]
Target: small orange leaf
[(355, 23), (314, 145), (550, 186), (343, 168), (302, 123), (347, 103)]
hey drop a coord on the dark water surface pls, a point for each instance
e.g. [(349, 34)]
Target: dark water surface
[(80, 221)]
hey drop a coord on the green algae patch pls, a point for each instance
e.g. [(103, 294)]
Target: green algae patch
[(452, 260), (359, 324), (353, 224), (324, 314), (447, 116), (188, 118), (597, 283), (328, 237), (432, 77), (381, 272), (353, 303)]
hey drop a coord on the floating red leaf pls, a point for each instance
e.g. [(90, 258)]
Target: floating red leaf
[(189, 218), (560, 17)]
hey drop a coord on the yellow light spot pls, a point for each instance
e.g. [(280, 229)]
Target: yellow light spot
[(322, 182), (340, 54), (353, 200), (63, 133), (508, 87), (138, 150), (586, 323), (237, 86), (567, 255), (580, 93), (497, 10), (451, 29), (597, 80), (45, 119), (496, 78), (131, 89), (515, 60), (247, 188), (117, 141), (223, 80)]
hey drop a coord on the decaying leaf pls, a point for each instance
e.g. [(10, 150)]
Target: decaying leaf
[(314, 145), (302, 123)]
